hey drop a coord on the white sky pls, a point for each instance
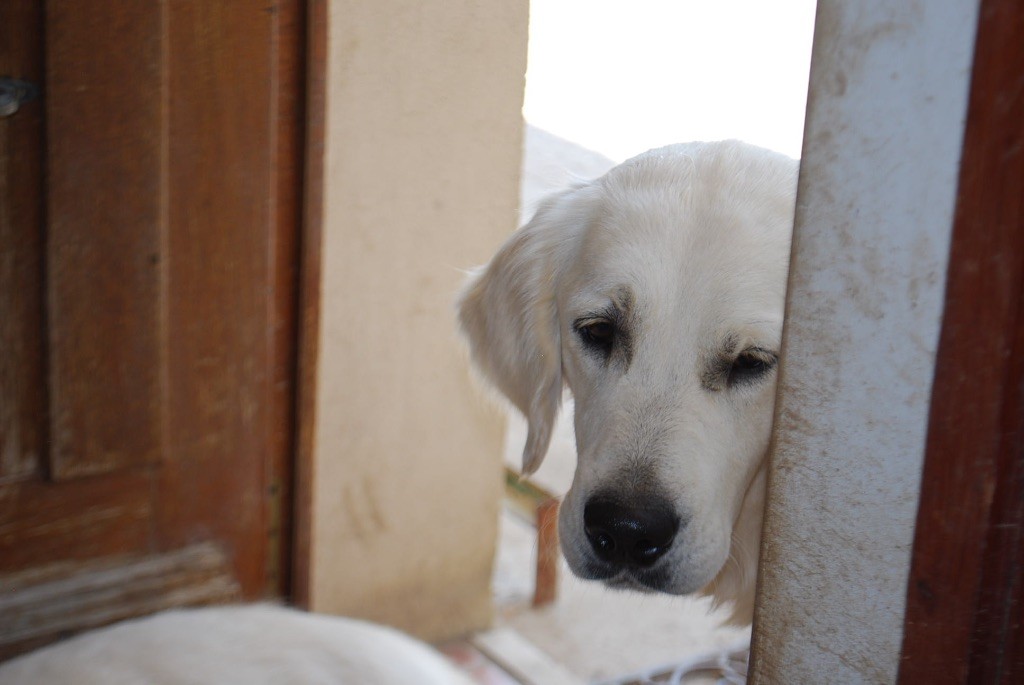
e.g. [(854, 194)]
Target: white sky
[(623, 76)]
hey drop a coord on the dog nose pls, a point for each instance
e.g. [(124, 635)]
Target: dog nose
[(622, 535)]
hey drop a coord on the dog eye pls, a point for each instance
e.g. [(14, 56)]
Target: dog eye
[(750, 366), (598, 335)]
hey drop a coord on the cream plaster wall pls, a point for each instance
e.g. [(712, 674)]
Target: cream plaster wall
[(422, 160)]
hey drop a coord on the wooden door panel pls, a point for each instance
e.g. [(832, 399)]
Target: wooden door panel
[(43, 522), (104, 114), (162, 329), (222, 352), (291, 133), (22, 369)]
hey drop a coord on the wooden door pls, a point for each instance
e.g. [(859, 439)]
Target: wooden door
[(149, 223)]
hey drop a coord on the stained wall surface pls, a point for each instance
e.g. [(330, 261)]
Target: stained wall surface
[(874, 214)]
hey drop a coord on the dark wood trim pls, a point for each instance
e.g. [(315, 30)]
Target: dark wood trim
[(283, 305), (964, 609), (309, 297)]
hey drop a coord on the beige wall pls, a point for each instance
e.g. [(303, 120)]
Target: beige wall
[(421, 171)]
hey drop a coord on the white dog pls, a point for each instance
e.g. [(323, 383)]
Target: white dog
[(656, 294), (245, 645)]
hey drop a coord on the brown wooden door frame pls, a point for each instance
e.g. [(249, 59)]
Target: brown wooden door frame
[(964, 598)]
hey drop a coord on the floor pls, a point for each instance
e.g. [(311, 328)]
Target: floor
[(589, 634)]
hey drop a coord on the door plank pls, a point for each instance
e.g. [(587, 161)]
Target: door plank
[(43, 522), (22, 369), (96, 594), (229, 307), (105, 224)]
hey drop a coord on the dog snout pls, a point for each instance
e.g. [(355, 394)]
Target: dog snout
[(629, 536)]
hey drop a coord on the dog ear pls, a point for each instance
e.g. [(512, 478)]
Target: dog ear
[(509, 315)]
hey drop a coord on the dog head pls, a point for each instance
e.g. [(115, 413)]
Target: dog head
[(656, 294)]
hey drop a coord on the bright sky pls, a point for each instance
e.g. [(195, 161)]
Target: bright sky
[(621, 77)]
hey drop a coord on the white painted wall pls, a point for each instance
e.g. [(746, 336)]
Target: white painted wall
[(877, 189), (423, 150)]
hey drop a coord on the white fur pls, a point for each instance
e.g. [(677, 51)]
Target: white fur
[(696, 237), (247, 645)]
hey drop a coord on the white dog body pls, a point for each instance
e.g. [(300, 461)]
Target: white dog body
[(257, 644), (656, 294)]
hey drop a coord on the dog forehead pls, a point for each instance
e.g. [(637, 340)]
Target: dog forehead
[(693, 231), (666, 248), (709, 282)]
